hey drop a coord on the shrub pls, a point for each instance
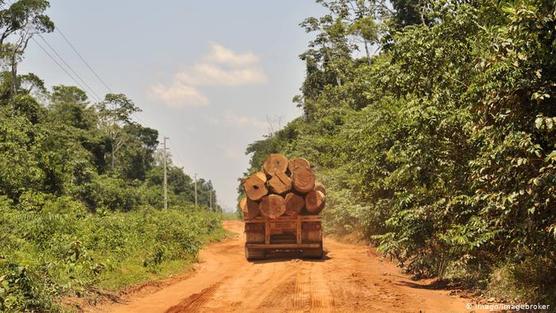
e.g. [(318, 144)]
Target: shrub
[(61, 249)]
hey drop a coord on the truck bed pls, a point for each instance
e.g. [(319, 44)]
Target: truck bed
[(297, 234)]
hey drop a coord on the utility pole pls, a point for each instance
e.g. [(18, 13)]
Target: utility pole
[(210, 199), (165, 174), (213, 193), (195, 190)]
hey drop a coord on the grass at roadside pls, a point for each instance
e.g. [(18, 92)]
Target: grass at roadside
[(62, 250), (230, 216), (133, 270)]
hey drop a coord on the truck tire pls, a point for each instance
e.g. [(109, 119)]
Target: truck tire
[(254, 254), (313, 253)]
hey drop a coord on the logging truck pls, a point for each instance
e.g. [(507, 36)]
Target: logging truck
[(281, 209), (298, 234)]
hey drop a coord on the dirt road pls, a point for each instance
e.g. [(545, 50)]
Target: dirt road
[(350, 279)]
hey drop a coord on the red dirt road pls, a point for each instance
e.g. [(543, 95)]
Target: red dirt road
[(351, 279)]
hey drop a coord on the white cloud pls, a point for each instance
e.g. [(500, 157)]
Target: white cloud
[(222, 55), (234, 120), (243, 121), (207, 74), (179, 95), (220, 67)]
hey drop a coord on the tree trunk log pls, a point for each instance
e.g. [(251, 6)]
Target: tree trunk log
[(280, 183), (272, 206), (294, 204), (243, 205), (249, 208), (314, 202), (275, 163), (296, 163), (303, 179), (320, 187), (255, 187)]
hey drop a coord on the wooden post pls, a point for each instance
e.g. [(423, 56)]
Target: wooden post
[(298, 230), (267, 232)]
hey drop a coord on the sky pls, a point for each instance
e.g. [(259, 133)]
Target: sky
[(213, 76)]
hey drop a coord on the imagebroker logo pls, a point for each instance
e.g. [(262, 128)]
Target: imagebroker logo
[(507, 307)]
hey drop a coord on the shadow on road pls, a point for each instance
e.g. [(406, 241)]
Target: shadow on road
[(289, 256), (434, 285)]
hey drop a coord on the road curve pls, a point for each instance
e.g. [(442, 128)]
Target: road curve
[(350, 279)]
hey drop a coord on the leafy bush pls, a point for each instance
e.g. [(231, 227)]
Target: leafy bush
[(63, 250), (532, 280), (105, 192), (22, 290), (441, 148), (78, 184)]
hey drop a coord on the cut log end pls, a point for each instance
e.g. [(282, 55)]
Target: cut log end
[(282, 187), (280, 183), (249, 208), (296, 163), (255, 186), (320, 187), (303, 179), (275, 163), (314, 202), (294, 204), (272, 206), (243, 205)]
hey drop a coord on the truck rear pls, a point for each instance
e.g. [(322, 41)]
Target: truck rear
[(301, 235), (281, 209)]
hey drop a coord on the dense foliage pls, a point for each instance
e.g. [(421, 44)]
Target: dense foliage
[(440, 147), (63, 250), (81, 186)]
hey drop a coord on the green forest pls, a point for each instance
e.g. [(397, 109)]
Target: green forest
[(433, 125), (81, 187)]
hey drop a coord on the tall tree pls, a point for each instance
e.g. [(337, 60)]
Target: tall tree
[(115, 113), (69, 105), (18, 24)]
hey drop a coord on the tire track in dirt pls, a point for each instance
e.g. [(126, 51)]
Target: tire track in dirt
[(300, 288), (350, 279), (196, 301), (321, 298)]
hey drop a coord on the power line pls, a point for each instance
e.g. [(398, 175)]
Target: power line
[(94, 94), (83, 59), (6, 4), (140, 120), (57, 63), (83, 86)]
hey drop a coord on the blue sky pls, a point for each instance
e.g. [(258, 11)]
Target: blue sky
[(208, 74)]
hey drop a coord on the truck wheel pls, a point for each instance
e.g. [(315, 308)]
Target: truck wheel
[(254, 254), (313, 253)]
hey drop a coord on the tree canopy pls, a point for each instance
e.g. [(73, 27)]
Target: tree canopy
[(81, 193), (441, 146)]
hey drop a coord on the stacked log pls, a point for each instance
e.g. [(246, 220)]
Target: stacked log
[(255, 186), (294, 204), (282, 187), (249, 208)]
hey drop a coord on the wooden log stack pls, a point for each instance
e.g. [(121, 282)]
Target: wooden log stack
[(282, 187)]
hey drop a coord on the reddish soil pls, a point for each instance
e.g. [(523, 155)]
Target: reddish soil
[(351, 278)]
